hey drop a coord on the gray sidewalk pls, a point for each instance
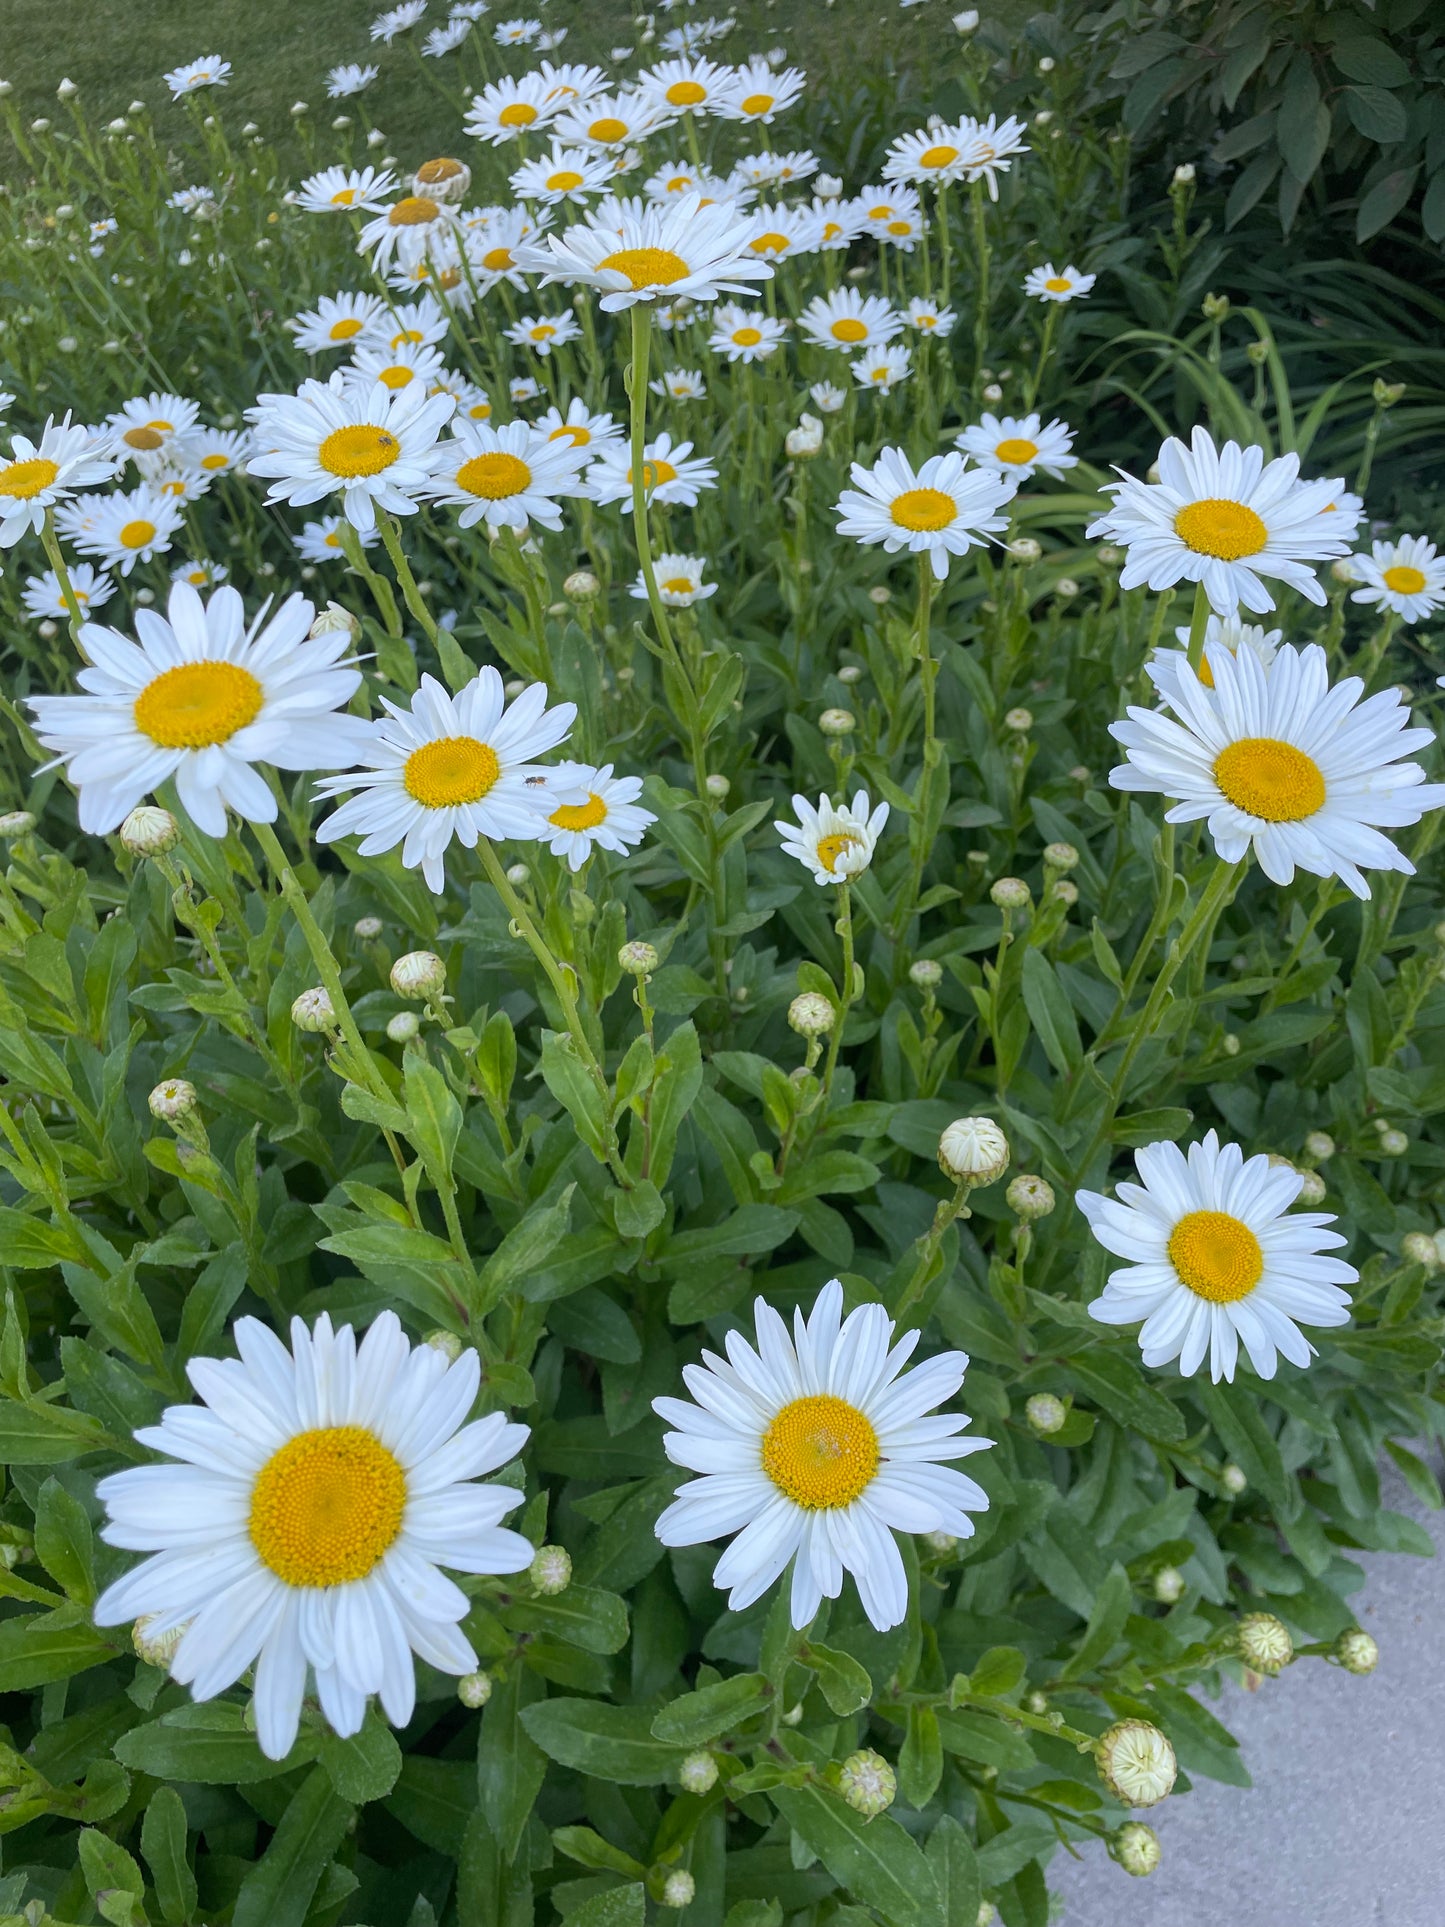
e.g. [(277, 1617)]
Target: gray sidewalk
[(1345, 1825)]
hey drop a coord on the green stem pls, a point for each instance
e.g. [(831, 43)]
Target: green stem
[(1198, 623), (845, 997), (1046, 348), (415, 601), (945, 246), (980, 248), (51, 543)]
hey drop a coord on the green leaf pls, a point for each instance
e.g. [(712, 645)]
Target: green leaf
[(875, 1860), (1417, 1475), (695, 1718), (209, 1744), (618, 1907), (1106, 1624), (751, 1231), (64, 1543), (596, 1325), (436, 1800), (35, 1649), (980, 1737), (1051, 1014), (163, 1845), (585, 1616), (277, 1891), (30, 1244), (1378, 115), (589, 1849), (510, 1765), (1384, 201), (576, 1090), (366, 1766), (676, 1082), (998, 1672), (1232, 1411), (526, 1247), (43, 1435), (434, 1118), (1110, 1380), (954, 1866), (608, 1742), (920, 1758), (1303, 132), (1010, 1851), (639, 1211), (842, 1680), (1365, 58)]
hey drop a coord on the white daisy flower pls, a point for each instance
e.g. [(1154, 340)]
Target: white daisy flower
[(1406, 577), (410, 228), (516, 33), (420, 323), (931, 156), (686, 86), (395, 368), (319, 1493), (671, 474), (745, 334), (42, 596), (815, 1450), (840, 222), (123, 529), (757, 93), (929, 317), (523, 389), (765, 168), (581, 427), (679, 580), (218, 451), (883, 369), (683, 248), (880, 205), (321, 541), (446, 40), (612, 122), (942, 509), (542, 333), (602, 811), (40, 474), (200, 575), (573, 174), (199, 698), (1216, 1258), (1278, 761), (506, 109), (990, 146), (335, 190), (172, 473), (681, 177), (850, 321), (442, 179), (395, 20), (1049, 283), (450, 767), (571, 81), (209, 71), (1220, 632), (146, 423), (338, 321), (375, 446), (1019, 444), (348, 79), (509, 476), (472, 403), (834, 841), (1225, 517), (775, 229), (493, 252), (186, 200), (680, 384), (828, 396)]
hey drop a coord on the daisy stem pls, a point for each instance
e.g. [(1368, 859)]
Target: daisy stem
[(927, 1248), (62, 575), (1323, 902), (1198, 623), (391, 542), (536, 622), (380, 588), (1046, 348), (846, 989), (980, 249), (932, 754), (945, 247), (1368, 664)]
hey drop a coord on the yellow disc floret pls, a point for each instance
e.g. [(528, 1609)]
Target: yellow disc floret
[(1058, 284), (820, 1452), (1270, 779), (1216, 1256), (455, 769), (138, 534), (198, 704), (580, 816), (1219, 527), (519, 114), (646, 267), (686, 93), (361, 449), (935, 157), (608, 129), (1016, 450), (848, 328), (830, 848), (1402, 579), (26, 479), (413, 210), (327, 1506), (923, 509), (494, 476), (564, 180)]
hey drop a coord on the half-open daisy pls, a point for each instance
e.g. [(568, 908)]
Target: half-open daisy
[(836, 841), (1227, 518), (209, 71), (352, 77), (321, 541), (1278, 761), (374, 445), (509, 476), (930, 317), (338, 190), (199, 697), (1216, 1259), (850, 321), (398, 19), (449, 767), (1019, 444), (409, 229), (883, 369), (338, 321), (990, 146), (671, 473), (600, 810), (683, 248), (218, 451), (395, 368), (942, 509), (777, 230), (758, 92), (680, 384), (1406, 577), (815, 1449), (318, 1493), (123, 529), (146, 423), (840, 222), (580, 427), (679, 580), (1049, 283), (492, 250), (745, 334), (40, 474), (43, 597)]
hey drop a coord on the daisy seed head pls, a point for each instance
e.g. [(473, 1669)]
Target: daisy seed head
[(174, 1098), (1024, 548), (678, 1888), (1356, 1651), (973, 1151), (1264, 1643), (551, 1570), (868, 1783), (698, 1772), (474, 1689), (1135, 1846), (812, 1015), (1136, 1763), (149, 831), (420, 974), (1044, 1412), (1030, 1197), (403, 1027), (313, 1011), (638, 959), (926, 972)]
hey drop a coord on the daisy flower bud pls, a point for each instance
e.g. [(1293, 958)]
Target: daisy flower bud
[(973, 1151), (987, 1914), (638, 959), (420, 973), (837, 722), (403, 1027), (474, 1689), (1356, 1651), (1168, 1585), (1312, 1188), (1264, 1643), (942, 1543), (1134, 1845), (698, 1772), (1184, 174), (581, 586), (1010, 893), (174, 1098), (678, 1888), (445, 1342), (717, 786), (16, 823), (1030, 1197), (1045, 1413), (517, 874), (334, 618), (1387, 393), (1216, 307), (367, 929), (806, 440), (926, 972), (1393, 1144), (1418, 1248), (880, 595), (1061, 857), (1136, 1763), (1021, 721), (850, 673), (312, 1011), (1023, 548), (868, 1783), (551, 1570), (966, 23), (812, 1015), (1234, 1479), (1064, 890), (149, 831), (158, 1651)]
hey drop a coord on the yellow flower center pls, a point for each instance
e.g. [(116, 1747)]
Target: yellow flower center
[(747, 337), (198, 704), (678, 585), (1058, 284), (881, 212), (361, 449), (137, 535), (327, 1506), (847, 329), (1270, 779), (1216, 1256), (497, 260), (142, 438), (608, 129), (24, 479), (923, 509), (679, 184), (494, 476), (925, 321), (646, 267), (938, 157), (1206, 674), (344, 330), (580, 816), (830, 848), (198, 577), (433, 173), (900, 227), (758, 103), (656, 472), (771, 243), (395, 377), (480, 411), (820, 1452), (544, 331), (686, 93), (174, 489), (344, 199), (1016, 450), (1402, 578), (405, 335), (454, 769), (215, 461), (571, 432), (1218, 527), (415, 210), (519, 114), (831, 230), (564, 181)]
